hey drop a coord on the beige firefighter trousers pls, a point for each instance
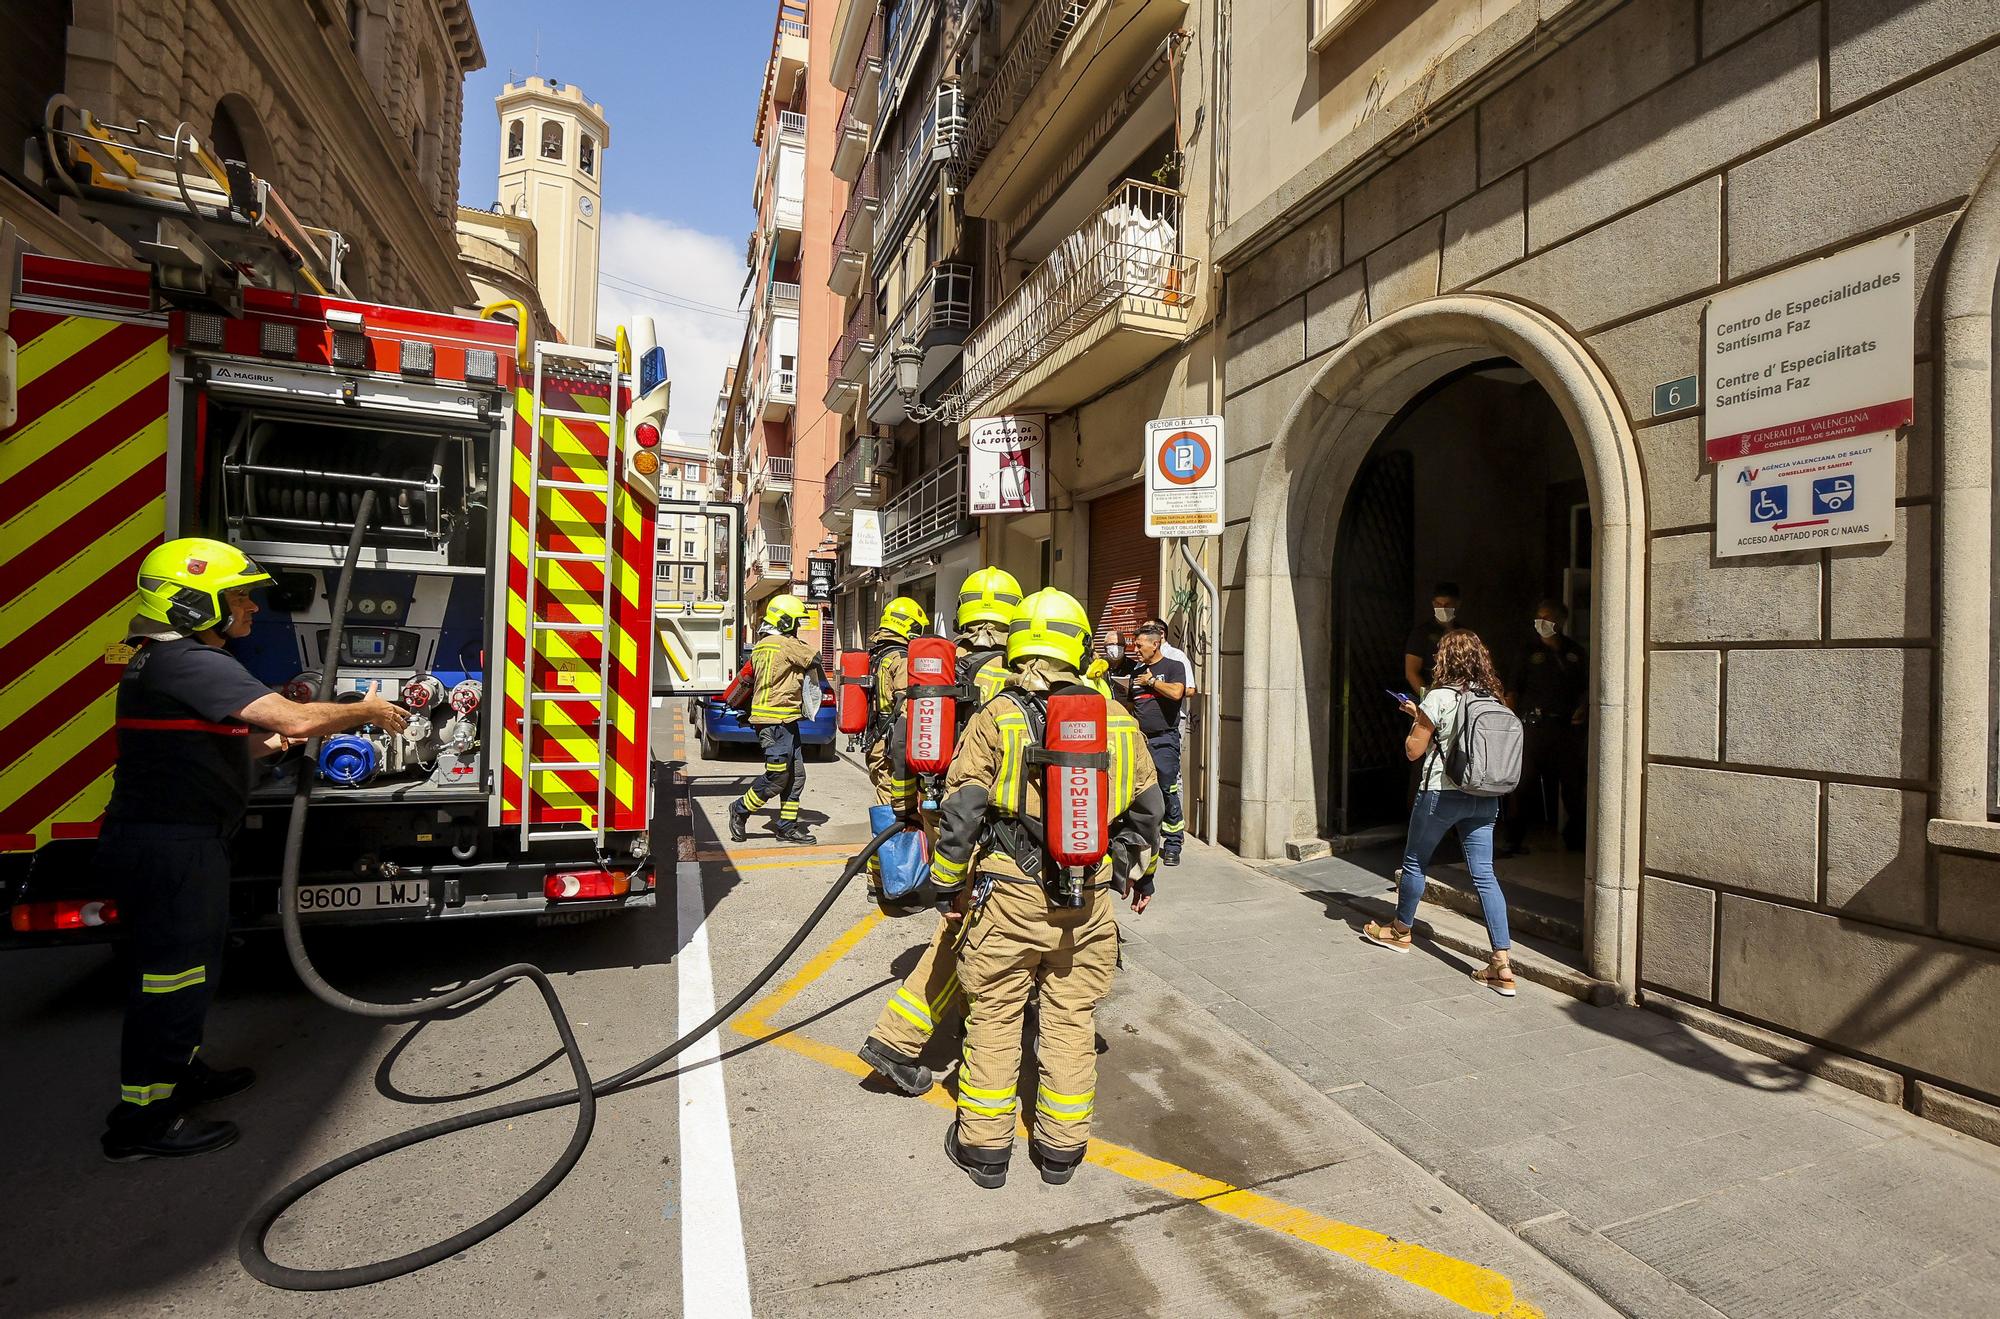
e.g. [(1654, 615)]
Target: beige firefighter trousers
[(928, 1000), (1019, 943)]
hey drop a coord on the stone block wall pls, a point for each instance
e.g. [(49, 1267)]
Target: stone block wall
[(330, 149), (1668, 150)]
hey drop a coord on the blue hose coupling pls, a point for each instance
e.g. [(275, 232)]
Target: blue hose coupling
[(347, 760)]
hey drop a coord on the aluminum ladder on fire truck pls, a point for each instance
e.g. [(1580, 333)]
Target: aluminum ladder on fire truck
[(203, 224), (564, 364)]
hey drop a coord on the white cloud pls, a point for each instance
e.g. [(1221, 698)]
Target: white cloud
[(691, 266)]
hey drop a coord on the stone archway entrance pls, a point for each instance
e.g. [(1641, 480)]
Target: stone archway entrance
[(1289, 560)]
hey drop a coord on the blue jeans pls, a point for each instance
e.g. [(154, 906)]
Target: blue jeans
[(1435, 815)]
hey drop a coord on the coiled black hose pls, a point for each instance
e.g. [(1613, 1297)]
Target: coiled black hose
[(250, 1244)]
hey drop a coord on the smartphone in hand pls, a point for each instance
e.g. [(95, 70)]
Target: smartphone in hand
[(1398, 697)]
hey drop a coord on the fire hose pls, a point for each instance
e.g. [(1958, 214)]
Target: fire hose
[(251, 1245)]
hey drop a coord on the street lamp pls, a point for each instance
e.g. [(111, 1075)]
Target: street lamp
[(909, 361)]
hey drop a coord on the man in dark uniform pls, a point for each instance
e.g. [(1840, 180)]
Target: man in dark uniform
[(1421, 648), (1155, 686), (1549, 688), (190, 720)]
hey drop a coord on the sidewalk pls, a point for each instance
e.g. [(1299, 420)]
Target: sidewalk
[(1673, 1173)]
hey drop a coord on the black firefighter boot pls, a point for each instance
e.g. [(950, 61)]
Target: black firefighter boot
[(899, 1070), (987, 1168), (739, 822), (1056, 1166), (167, 1135)]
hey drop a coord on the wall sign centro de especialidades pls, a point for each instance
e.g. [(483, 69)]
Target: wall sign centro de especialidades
[(1010, 468), (1822, 351), (1184, 477)]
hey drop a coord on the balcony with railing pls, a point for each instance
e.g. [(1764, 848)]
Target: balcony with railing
[(792, 127), (933, 324), (1112, 296), (781, 394), (858, 107), (927, 513), (903, 39), (854, 239), (780, 295), (789, 49), (778, 472), (847, 364), (1065, 61), (852, 483), (935, 143)]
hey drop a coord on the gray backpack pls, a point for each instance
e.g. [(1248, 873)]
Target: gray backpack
[(1484, 758)]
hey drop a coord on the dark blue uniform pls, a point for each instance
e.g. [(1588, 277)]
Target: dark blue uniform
[(1160, 720)]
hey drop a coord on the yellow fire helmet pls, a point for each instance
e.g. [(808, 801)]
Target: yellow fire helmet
[(905, 617), (785, 613), (1052, 624), (990, 595), (181, 583)]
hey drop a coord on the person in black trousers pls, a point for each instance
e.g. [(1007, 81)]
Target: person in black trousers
[(1155, 686), (1550, 689)]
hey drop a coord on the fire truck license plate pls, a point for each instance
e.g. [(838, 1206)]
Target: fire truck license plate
[(365, 896)]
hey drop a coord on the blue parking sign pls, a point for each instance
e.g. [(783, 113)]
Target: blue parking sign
[(1768, 503)]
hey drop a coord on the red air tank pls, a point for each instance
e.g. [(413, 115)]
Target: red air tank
[(1076, 794), (855, 689), (931, 704)]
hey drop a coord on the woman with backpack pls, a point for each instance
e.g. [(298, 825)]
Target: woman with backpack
[(1462, 694)]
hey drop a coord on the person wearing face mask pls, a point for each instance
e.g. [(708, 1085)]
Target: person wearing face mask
[(1424, 637), (1549, 688)]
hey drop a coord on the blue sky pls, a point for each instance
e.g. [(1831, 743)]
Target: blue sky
[(679, 83)]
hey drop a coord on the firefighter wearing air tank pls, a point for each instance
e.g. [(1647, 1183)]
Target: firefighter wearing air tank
[(929, 1000), (1050, 802), (888, 664), (779, 663), (190, 721)]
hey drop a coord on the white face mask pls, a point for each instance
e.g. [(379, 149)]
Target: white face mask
[(1445, 613), (1114, 651), (1545, 627)]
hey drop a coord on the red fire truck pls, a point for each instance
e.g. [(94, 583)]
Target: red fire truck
[(504, 588)]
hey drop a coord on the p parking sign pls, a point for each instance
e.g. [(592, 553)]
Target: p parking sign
[(1184, 477)]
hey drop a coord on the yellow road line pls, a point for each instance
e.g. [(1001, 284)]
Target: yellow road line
[(1472, 1286)]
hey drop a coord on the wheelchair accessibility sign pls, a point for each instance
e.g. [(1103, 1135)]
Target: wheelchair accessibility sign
[(1839, 493)]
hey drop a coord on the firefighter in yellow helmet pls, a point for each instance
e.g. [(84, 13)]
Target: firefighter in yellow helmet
[(190, 720), (1030, 925), (779, 663), (928, 999), (888, 664)]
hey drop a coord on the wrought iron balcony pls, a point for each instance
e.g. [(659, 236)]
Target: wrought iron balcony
[(854, 239), (936, 141), (927, 513), (852, 482), (856, 125), (778, 471), (1037, 42), (847, 364), (934, 322), (1125, 259)]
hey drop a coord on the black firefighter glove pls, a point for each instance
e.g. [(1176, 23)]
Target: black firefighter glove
[(1131, 871)]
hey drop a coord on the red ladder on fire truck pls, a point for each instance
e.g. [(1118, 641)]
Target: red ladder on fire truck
[(583, 443)]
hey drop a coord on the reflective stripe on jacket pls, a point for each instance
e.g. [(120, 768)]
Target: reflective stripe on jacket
[(778, 666)]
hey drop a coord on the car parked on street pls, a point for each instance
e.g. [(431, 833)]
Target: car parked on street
[(719, 726)]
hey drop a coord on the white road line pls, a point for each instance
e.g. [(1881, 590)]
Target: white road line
[(715, 1279)]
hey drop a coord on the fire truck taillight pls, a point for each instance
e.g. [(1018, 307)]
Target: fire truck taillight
[(585, 885), (482, 366), (278, 339), (647, 434), (466, 696), (65, 914), (350, 348), (419, 358)]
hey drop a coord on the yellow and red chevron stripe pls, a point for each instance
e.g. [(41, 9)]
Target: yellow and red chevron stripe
[(83, 478), (572, 521)]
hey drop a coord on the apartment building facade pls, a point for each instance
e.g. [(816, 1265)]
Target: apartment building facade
[(769, 449), (1025, 238), (1479, 261)]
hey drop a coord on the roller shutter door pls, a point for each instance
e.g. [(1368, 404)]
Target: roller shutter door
[(1124, 563)]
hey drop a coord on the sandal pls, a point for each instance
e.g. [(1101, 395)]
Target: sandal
[(1388, 936), (1498, 977)]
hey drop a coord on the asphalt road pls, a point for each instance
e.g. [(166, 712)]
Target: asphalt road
[(767, 1171)]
